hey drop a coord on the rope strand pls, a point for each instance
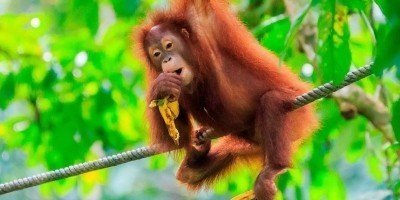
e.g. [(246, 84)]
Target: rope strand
[(144, 152)]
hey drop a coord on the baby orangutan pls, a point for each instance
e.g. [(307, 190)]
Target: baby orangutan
[(198, 53)]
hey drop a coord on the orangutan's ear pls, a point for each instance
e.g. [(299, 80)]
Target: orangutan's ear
[(185, 32)]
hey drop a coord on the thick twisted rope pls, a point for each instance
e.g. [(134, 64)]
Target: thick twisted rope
[(74, 170), (328, 88), (144, 152)]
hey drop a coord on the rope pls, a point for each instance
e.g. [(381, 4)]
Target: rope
[(328, 88), (144, 152), (74, 170)]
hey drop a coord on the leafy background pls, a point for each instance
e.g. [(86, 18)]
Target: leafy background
[(72, 90)]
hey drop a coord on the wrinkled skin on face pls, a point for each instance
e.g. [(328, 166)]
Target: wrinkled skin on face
[(166, 50)]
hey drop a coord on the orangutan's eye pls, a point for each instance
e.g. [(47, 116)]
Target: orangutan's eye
[(169, 45), (156, 54)]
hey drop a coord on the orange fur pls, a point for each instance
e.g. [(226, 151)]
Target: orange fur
[(240, 91)]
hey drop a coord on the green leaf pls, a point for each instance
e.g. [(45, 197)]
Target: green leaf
[(158, 162), (315, 2), (333, 42), (336, 186), (398, 73), (375, 168), (273, 34), (388, 50), (7, 91), (390, 8), (358, 5), (221, 187), (268, 24), (396, 187), (283, 181), (87, 12), (49, 79), (294, 28), (394, 147), (396, 119), (125, 8), (78, 14)]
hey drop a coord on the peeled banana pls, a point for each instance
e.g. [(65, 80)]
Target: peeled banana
[(169, 112)]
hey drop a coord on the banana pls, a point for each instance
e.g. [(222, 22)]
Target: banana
[(169, 112)]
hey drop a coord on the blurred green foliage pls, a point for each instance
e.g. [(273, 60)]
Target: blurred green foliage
[(72, 90)]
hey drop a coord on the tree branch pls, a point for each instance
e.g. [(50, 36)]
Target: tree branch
[(353, 101)]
